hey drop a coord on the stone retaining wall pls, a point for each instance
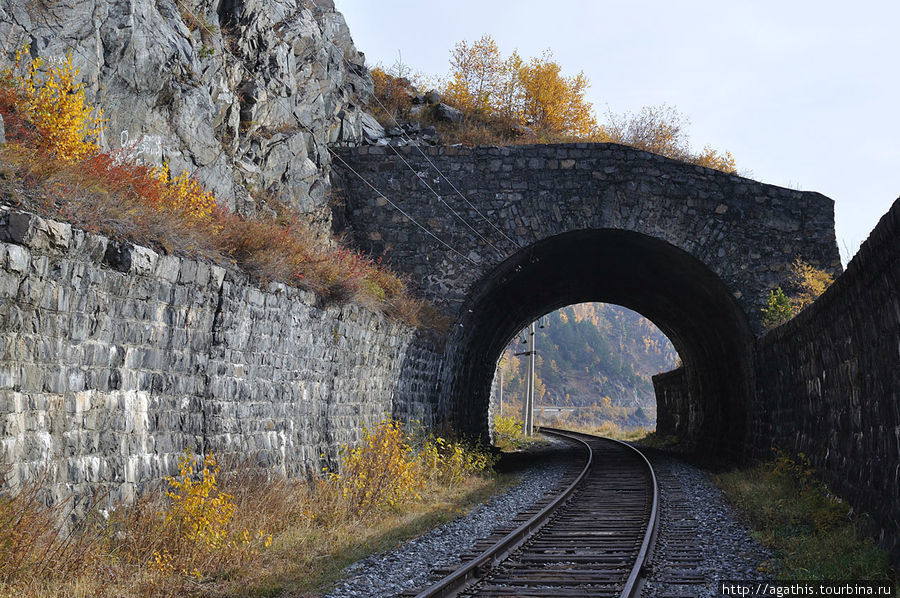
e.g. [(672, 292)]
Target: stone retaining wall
[(828, 382), (115, 359), (673, 403)]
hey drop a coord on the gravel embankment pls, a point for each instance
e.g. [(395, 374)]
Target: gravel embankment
[(696, 520), (409, 565)]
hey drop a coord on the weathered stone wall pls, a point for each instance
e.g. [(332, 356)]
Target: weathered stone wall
[(745, 231), (828, 382), (114, 360), (673, 405)]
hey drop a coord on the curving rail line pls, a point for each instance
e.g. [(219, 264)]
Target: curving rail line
[(592, 539)]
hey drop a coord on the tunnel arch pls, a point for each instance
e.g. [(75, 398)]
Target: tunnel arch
[(681, 295)]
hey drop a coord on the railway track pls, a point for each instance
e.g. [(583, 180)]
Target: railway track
[(591, 539)]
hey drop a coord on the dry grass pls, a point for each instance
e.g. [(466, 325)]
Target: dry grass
[(812, 532), (240, 532), (52, 165)]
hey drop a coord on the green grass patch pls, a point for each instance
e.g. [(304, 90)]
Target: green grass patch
[(509, 437), (813, 533), (656, 440)]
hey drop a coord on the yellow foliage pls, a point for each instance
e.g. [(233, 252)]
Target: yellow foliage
[(379, 473), (477, 75), (199, 510), (450, 463), (508, 433), (393, 101), (385, 471), (809, 281), (52, 100), (806, 284), (197, 521), (184, 194), (554, 103), (534, 92), (713, 159)]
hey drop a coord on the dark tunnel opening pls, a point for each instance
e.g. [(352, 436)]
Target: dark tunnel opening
[(670, 287)]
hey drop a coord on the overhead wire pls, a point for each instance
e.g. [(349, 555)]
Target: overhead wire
[(449, 207), (401, 210), (438, 170), (369, 184)]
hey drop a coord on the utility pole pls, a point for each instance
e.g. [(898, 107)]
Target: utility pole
[(529, 424), (528, 407)]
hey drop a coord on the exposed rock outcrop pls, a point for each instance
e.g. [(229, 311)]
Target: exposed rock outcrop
[(246, 94)]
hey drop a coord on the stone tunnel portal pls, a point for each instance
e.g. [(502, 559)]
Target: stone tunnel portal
[(681, 295)]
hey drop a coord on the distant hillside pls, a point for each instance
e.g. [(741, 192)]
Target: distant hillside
[(596, 358)]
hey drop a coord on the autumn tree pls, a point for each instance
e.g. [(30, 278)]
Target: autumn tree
[(662, 130), (535, 92), (806, 283), (477, 76), (554, 103)]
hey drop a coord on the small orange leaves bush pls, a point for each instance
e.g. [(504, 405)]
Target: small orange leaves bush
[(379, 473), (197, 523), (53, 102), (199, 510), (53, 134)]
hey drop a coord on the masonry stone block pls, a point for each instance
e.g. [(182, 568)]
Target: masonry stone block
[(146, 355)]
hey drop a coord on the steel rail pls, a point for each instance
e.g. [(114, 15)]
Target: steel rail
[(632, 587), (475, 568)]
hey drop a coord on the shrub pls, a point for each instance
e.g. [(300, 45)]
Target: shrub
[(52, 132), (393, 101), (379, 473), (196, 525), (199, 511), (450, 463), (53, 102), (777, 311), (185, 195), (809, 282), (509, 434), (390, 467)]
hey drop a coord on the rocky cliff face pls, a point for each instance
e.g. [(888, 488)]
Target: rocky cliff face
[(246, 94)]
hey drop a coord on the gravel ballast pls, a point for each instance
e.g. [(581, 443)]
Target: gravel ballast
[(409, 565), (696, 520)]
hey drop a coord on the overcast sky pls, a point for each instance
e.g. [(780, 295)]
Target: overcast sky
[(804, 94)]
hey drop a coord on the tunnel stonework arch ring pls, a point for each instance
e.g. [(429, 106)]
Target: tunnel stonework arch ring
[(676, 291), (693, 249)]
